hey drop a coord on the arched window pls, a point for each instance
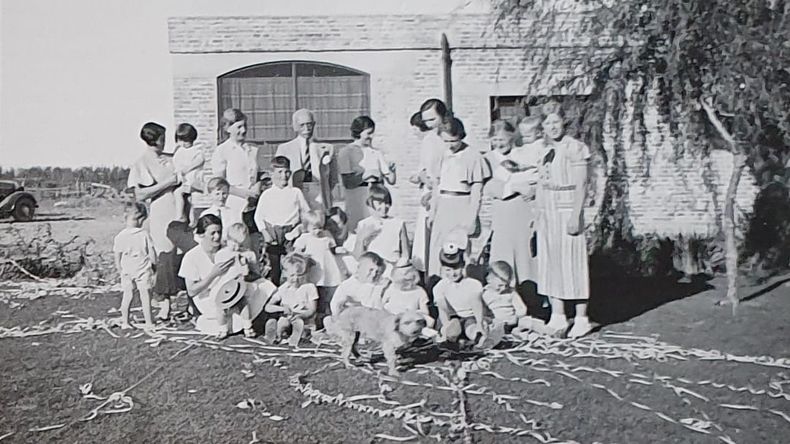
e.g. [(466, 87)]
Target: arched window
[(269, 93)]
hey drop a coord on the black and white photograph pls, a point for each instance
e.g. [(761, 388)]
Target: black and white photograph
[(407, 221)]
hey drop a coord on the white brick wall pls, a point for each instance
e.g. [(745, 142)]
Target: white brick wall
[(402, 56)]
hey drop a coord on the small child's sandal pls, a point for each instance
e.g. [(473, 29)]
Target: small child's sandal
[(249, 333)]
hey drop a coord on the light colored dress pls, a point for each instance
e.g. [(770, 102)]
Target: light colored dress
[(325, 272), (238, 164), (147, 171), (562, 258), (513, 214), (458, 172), (431, 149)]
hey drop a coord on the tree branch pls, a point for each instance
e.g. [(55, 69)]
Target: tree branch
[(714, 119)]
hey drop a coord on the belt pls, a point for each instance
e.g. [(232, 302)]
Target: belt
[(549, 186), (455, 193)]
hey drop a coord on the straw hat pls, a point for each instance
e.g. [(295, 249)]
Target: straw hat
[(229, 292)]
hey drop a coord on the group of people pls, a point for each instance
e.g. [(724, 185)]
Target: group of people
[(313, 232)]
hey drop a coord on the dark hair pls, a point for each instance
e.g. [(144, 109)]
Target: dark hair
[(416, 121), (136, 208), (373, 257), (361, 124), (151, 132), (436, 104), (453, 126), (337, 211), (281, 162), (206, 221), (216, 182), (186, 132), (378, 193), (231, 116)]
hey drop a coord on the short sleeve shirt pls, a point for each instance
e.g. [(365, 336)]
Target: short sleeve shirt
[(136, 249), (387, 243), (196, 266), (365, 294), (398, 301), (431, 150), (461, 296), (237, 164), (462, 169)]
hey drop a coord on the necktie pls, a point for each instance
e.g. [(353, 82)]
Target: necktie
[(306, 166)]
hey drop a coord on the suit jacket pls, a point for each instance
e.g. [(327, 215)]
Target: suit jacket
[(326, 175)]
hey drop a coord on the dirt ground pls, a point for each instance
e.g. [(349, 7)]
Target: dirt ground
[(669, 366)]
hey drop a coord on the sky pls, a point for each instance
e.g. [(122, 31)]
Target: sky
[(78, 78)]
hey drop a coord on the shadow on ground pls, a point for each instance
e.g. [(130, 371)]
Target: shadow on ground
[(618, 299)]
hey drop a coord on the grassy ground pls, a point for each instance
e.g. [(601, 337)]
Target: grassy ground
[(193, 396)]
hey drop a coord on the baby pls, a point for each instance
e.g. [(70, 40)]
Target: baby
[(363, 288), (245, 267), (135, 258), (404, 295), (188, 161), (502, 300), (296, 299)]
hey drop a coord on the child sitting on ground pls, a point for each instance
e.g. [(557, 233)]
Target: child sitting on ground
[(380, 232), (188, 161), (502, 300), (278, 214), (296, 299), (218, 189), (363, 288), (135, 258), (403, 294), (319, 246), (245, 269), (459, 299)]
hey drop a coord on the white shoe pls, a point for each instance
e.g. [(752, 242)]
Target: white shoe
[(557, 326), (581, 327)]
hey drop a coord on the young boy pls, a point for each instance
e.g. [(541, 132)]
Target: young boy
[(135, 259), (218, 189), (458, 298), (502, 300), (279, 213), (337, 226), (188, 160)]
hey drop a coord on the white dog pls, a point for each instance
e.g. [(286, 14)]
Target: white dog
[(392, 331)]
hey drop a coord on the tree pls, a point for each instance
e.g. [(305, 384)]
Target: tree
[(722, 69)]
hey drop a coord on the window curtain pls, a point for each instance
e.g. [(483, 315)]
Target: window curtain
[(336, 101), (267, 102)]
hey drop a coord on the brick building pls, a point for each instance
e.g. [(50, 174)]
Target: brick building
[(385, 66)]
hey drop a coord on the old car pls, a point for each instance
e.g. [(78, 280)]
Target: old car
[(16, 202)]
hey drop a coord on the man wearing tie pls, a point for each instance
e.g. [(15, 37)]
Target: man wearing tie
[(313, 163)]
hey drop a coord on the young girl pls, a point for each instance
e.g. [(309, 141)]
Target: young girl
[(135, 259), (360, 165), (459, 299), (562, 247), (381, 233), (513, 212), (296, 299), (403, 294), (457, 196), (502, 300), (319, 246), (188, 160), (237, 247)]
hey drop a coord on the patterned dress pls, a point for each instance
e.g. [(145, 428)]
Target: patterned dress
[(562, 258)]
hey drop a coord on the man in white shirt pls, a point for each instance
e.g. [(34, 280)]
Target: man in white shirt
[(313, 164)]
